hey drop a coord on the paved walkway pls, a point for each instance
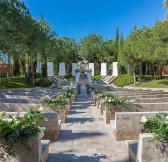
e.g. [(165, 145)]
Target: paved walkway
[(86, 138)]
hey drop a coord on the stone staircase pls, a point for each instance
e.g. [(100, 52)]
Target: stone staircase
[(83, 78)]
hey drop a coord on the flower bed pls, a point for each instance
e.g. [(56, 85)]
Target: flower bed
[(60, 104), (116, 104)]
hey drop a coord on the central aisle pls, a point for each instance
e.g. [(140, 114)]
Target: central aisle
[(85, 137)]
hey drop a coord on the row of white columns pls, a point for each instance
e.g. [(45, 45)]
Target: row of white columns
[(62, 71), (91, 66)]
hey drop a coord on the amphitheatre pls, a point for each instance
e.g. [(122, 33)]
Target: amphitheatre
[(96, 100)]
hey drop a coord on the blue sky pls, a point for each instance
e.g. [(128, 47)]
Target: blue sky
[(78, 18)]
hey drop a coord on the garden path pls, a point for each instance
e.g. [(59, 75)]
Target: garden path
[(85, 137)]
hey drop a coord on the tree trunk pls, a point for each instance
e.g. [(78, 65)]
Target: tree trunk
[(161, 69), (128, 69), (134, 76), (140, 70), (154, 73), (8, 68), (28, 71), (33, 74), (146, 69)]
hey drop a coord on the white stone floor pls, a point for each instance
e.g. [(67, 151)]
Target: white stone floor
[(86, 138)]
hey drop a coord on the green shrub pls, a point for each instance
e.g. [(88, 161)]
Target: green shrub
[(123, 80), (43, 82), (157, 125), (69, 77), (18, 130), (96, 77)]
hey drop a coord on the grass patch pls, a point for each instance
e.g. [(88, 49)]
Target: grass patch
[(19, 82), (158, 83), (69, 77), (96, 77), (123, 80)]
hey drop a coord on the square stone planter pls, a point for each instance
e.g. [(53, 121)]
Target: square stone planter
[(63, 115), (33, 155), (110, 114), (67, 108), (52, 125), (145, 151), (102, 106)]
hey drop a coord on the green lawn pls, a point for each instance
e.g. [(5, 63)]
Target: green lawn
[(19, 82), (158, 83)]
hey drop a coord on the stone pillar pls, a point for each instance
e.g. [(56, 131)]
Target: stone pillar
[(61, 69), (103, 69), (77, 77), (50, 69), (115, 69), (38, 69), (74, 67), (89, 78), (91, 66)]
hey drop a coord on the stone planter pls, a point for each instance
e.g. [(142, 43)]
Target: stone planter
[(24, 155), (94, 99), (147, 151), (110, 113), (102, 106), (67, 108), (63, 115), (98, 103), (52, 125)]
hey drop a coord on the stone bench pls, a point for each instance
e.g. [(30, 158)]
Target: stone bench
[(127, 125), (39, 151), (52, 124), (145, 151)]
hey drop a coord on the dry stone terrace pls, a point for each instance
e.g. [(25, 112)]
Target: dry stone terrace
[(85, 136)]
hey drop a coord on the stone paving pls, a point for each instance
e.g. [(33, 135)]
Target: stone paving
[(86, 138)]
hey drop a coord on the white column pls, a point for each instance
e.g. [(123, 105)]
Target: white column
[(77, 77), (74, 67), (50, 69), (103, 69), (91, 66), (89, 78), (115, 69), (62, 69), (38, 69)]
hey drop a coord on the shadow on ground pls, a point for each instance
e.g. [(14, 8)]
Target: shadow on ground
[(76, 112), (164, 82), (64, 157), (66, 135), (61, 157), (79, 120)]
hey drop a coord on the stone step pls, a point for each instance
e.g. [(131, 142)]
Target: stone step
[(45, 149), (132, 149)]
